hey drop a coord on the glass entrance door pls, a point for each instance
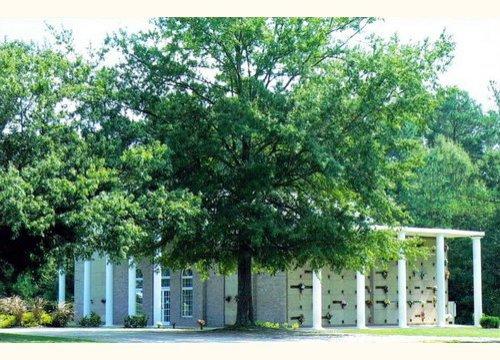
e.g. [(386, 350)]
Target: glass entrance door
[(165, 305)]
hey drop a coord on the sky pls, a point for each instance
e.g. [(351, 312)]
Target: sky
[(476, 61)]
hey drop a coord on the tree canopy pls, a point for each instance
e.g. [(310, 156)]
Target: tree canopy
[(291, 136), (236, 144), (59, 198)]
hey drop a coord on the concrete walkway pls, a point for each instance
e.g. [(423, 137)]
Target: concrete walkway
[(151, 335)]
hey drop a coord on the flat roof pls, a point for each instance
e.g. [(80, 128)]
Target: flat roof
[(431, 232)]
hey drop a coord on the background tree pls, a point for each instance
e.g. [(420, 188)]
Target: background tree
[(291, 136), (457, 187), (461, 119), (58, 198)]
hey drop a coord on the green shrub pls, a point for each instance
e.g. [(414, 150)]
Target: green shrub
[(135, 321), (267, 324), (276, 326), (7, 321), (62, 315), (13, 306), (28, 320), (490, 322), (45, 319), (38, 307), (92, 320)]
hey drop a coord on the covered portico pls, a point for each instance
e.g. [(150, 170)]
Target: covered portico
[(405, 232)]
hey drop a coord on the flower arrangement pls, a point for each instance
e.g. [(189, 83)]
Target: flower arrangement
[(369, 302), (201, 323), (387, 302), (343, 304), (301, 287), (422, 274), (328, 316), (422, 315)]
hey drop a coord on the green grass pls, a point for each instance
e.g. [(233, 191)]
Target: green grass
[(19, 338), (451, 332)]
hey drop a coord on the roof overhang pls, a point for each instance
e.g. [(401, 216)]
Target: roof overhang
[(431, 232)]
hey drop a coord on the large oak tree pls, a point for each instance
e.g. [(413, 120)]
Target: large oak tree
[(291, 135)]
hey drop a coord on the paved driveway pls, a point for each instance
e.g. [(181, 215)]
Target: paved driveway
[(149, 335)]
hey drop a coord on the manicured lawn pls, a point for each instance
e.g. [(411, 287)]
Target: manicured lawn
[(18, 338), (451, 332)]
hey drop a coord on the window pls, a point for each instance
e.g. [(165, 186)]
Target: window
[(187, 293), (139, 291), (165, 278), (165, 295)]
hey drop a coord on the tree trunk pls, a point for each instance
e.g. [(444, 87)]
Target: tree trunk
[(244, 309)]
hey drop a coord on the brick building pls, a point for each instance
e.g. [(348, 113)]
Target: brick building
[(402, 294)]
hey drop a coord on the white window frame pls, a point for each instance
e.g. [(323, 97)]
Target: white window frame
[(139, 278), (165, 275), (187, 275)]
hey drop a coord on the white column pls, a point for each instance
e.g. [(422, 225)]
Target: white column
[(61, 294), (476, 263), (86, 287), (131, 287), (440, 282), (316, 299), (157, 295), (360, 300), (109, 292), (402, 321)]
